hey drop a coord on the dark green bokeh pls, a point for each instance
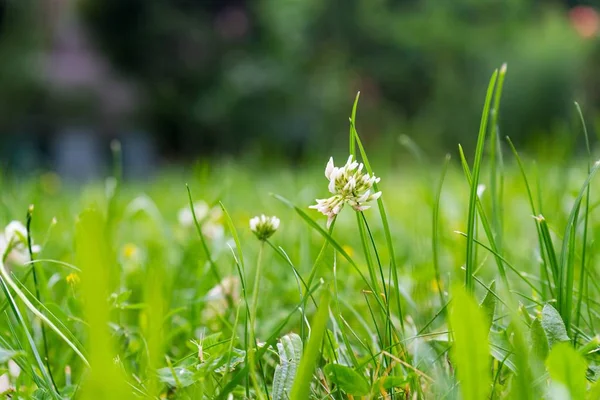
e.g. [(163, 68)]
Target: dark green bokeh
[(279, 77)]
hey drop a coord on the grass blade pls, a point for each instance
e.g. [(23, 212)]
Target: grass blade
[(301, 388), (470, 260), (470, 350)]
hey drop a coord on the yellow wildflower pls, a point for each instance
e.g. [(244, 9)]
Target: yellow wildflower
[(73, 279)]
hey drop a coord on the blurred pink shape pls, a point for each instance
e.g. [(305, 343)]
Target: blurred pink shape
[(585, 20)]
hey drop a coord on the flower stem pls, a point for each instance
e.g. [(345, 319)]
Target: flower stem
[(38, 296), (253, 347)]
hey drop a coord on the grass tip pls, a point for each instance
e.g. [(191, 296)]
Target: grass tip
[(503, 69)]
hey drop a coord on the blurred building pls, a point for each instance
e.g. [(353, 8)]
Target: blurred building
[(89, 102)]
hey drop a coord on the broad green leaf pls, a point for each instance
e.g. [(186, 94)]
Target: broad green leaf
[(301, 388), (470, 350), (290, 354), (501, 349), (488, 305), (177, 377), (539, 341), (568, 368), (347, 380), (553, 326)]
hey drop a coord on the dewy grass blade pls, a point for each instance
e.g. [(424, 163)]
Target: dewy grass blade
[(470, 260)]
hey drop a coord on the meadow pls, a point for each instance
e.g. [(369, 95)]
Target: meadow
[(470, 277)]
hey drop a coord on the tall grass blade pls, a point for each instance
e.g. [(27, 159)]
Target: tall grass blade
[(92, 253), (568, 368), (435, 239), (301, 388), (386, 227), (470, 349), (566, 264), (470, 260), (586, 213), (496, 164)]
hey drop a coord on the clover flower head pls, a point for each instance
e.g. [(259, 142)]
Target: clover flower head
[(209, 218), (218, 299), (264, 227), (348, 184), (16, 232), (14, 241)]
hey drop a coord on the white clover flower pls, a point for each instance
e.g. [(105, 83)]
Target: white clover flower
[(186, 218), (14, 240), (209, 217), (348, 184), (264, 227), (218, 298)]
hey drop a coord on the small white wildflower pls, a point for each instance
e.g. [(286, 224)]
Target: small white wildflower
[(348, 184), (222, 296), (16, 232), (14, 240), (186, 218), (210, 218), (480, 189), (264, 227), (13, 369)]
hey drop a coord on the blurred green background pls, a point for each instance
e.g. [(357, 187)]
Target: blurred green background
[(276, 79)]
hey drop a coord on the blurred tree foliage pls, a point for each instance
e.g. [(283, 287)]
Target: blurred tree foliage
[(220, 75), (20, 41)]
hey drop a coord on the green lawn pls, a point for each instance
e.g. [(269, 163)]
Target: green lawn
[(454, 284)]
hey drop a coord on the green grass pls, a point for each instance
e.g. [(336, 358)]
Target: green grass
[(436, 292)]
